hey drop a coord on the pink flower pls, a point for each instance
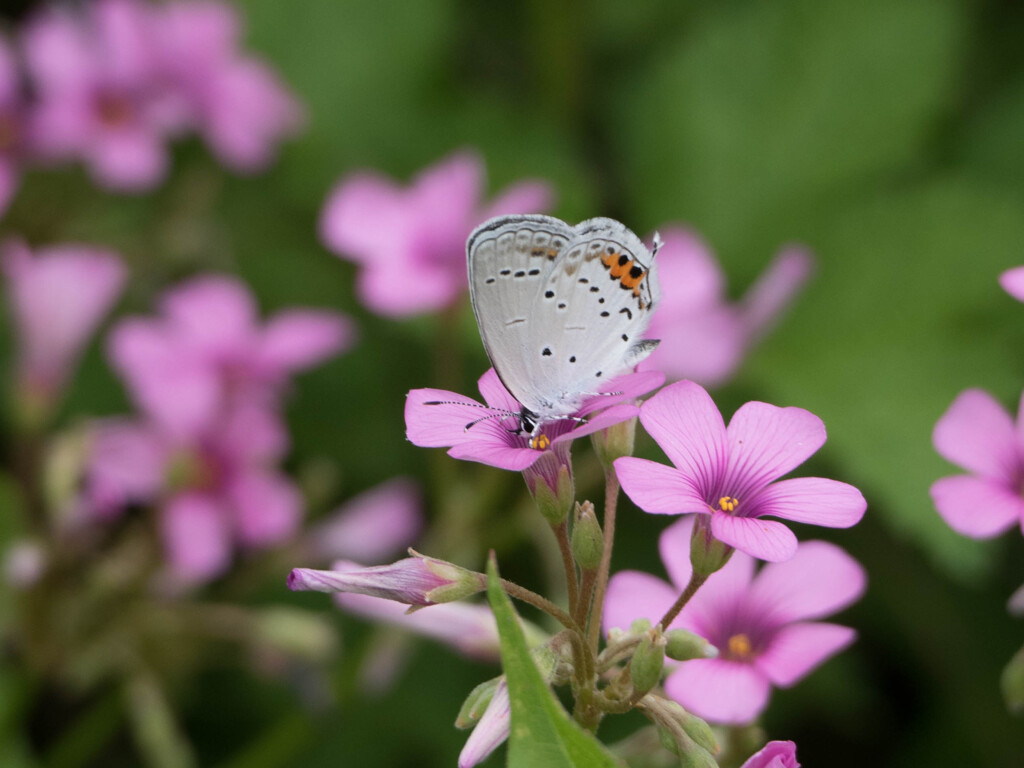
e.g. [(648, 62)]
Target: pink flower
[(730, 473), (1012, 281), (99, 93), (58, 296), (238, 103), (420, 581), (12, 124), (703, 337), (775, 754), (760, 624), (208, 349), (436, 418), (411, 242), (492, 730), (372, 526), (216, 489), (977, 433)]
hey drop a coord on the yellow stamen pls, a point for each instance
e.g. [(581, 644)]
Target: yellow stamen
[(728, 503), (739, 647), (540, 443)]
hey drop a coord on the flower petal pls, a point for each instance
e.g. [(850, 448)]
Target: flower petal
[(765, 442), (492, 730), (719, 690), (196, 536), (819, 579), (491, 450), (495, 394), (362, 218), (683, 419), (775, 754), (522, 197), (658, 489), (977, 433), (975, 506), (441, 425), (799, 648), (635, 595), (301, 338), (606, 418), (815, 500), (760, 538), (214, 313), (627, 387), (373, 525), (775, 289), (1012, 281), (724, 589), (268, 508)]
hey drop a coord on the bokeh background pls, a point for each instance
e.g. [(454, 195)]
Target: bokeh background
[(888, 137)]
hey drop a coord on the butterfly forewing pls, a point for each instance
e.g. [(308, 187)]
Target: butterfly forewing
[(561, 310), (509, 258)]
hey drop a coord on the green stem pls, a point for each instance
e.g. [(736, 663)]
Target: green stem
[(696, 580), (611, 498), (562, 537)]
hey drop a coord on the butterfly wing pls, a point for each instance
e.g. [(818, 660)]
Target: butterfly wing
[(589, 315), (509, 259)]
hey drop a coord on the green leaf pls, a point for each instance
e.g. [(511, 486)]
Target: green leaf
[(542, 734)]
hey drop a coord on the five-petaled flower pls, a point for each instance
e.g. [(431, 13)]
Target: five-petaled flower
[(977, 433), (703, 336), (410, 243), (761, 624), (436, 418), (729, 472)]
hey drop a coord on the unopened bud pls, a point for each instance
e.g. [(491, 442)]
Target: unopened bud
[(614, 442), (1012, 682), (684, 645), (476, 703), (648, 661), (587, 539), (550, 482), (707, 554), (700, 732), (640, 625)]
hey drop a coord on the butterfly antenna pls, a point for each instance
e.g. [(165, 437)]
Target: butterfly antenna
[(499, 415)]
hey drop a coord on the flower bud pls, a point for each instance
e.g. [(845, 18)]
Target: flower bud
[(700, 732), (587, 539), (551, 484), (476, 703), (640, 625), (684, 645), (1012, 682), (614, 442), (648, 661), (707, 554), (417, 581), (491, 730)]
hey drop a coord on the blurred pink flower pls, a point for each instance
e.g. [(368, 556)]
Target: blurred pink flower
[(57, 296), (436, 418), (209, 349), (760, 624), (703, 336), (775, 754), (731, 473), (237, 103), (372, 526), (12, 124), (215, 489), (977, 433), (1012, 281), (99, 92), (411, 242), (492, 730)]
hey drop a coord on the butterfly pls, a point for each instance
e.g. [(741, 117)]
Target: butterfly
[(561, 309)]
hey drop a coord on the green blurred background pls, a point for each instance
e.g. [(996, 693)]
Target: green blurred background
[(887, 135)]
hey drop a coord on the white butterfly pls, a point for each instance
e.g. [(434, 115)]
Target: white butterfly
[(561, 309)]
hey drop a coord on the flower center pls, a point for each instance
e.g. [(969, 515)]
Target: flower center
[(114, 110), (740, 648), (728, 504), (540, 442)]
